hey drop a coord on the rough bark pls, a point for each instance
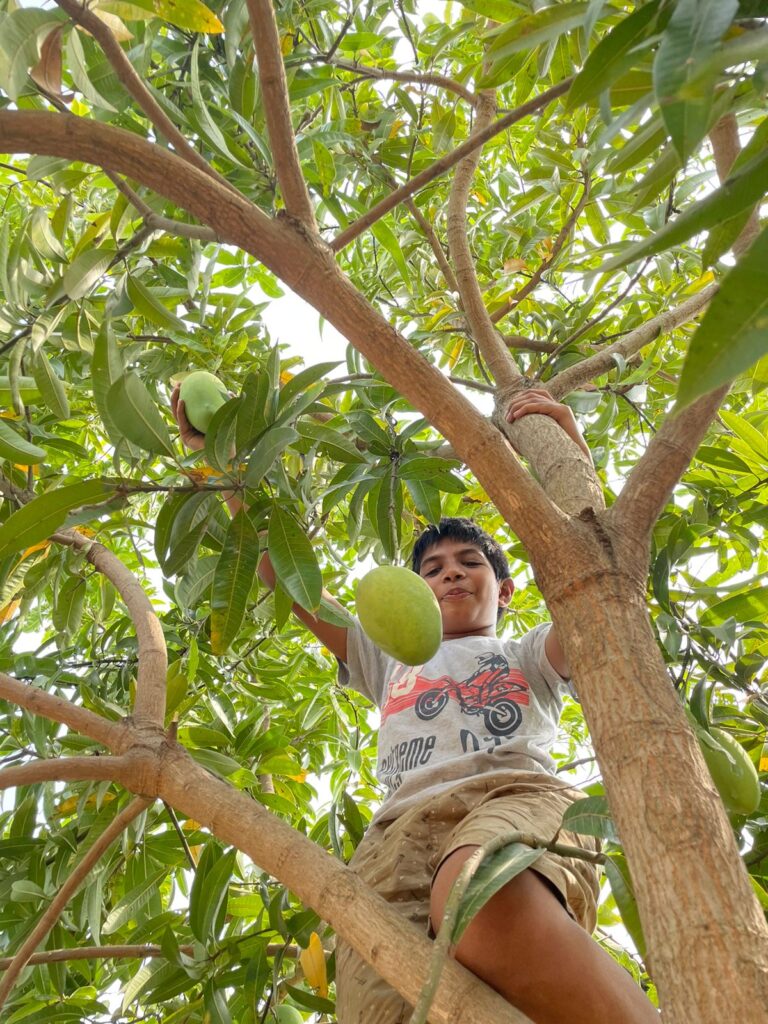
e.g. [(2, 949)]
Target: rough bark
[(693, 892)]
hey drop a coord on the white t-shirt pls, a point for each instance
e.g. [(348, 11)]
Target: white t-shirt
[(481, 705)]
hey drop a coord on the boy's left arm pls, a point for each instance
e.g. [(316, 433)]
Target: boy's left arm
[(539, 400)]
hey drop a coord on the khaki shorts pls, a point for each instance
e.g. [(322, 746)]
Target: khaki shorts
[(399, 859)]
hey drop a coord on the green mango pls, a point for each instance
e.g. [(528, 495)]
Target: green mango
[(288, 1015), (736, 780), (202, 395), (399, 612)]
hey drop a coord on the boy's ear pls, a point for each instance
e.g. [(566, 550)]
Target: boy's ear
[(506, 590)]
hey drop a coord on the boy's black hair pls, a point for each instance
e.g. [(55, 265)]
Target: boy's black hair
[(460, 528)]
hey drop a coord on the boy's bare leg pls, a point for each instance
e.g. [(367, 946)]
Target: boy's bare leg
[(524, 945)]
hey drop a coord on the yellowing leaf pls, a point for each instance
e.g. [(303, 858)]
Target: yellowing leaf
[(286, 44), (85, 531), (301, 777), (9, 611), (515, 264), (394, 131), (285, 376), (312, 961), (120, 30), (699, 283), (190, 825), (455, 354), (23, 468), (189, 14)]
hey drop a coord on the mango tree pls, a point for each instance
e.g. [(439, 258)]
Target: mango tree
[(499, 196)]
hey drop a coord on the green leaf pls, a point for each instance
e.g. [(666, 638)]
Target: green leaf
[(541, 27), (590, 817), (16, 448), (426, 498), (51, 388), (136, 416), (129, 906), (493, 874), (207, 902), (733, 335), (46, 513), (271, 445), (220, 435), (232, 581), (691, 36), (86, 270), (332, 442), (151, 307), (384, 234), (617, 872), (610, 58), (739, 192), (751, 606), (106, 368), (293, 559)]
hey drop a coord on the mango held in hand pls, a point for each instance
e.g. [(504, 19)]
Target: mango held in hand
[(399, 612), (736, 781), (202, 395)]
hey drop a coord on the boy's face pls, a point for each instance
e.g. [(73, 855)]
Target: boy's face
[(466, 588)]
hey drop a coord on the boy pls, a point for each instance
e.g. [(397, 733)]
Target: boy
[(463, 754)]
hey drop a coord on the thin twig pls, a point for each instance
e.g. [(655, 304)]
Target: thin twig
[(544, 266), (558, 349), (139, 952), (416, 77), (68, 890), (445, 163)]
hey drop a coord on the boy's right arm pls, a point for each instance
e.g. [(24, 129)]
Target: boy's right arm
[(333, 637)]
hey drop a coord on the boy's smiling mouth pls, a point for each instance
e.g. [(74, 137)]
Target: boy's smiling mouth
[(456, 592)]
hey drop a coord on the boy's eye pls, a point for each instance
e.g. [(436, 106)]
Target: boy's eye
[(431, 572)]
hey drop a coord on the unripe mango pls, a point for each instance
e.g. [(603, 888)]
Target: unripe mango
[(737, 782), (202, 395), (399, 612), (288, 1015)]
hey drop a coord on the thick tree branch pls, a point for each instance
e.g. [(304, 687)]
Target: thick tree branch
[(67, 891), (152, 651), (277, 109), (445, 163), (600, 363), (145, 952), (62, 769), (110, 734), (651, 482), (418, 78), (544, 266), (495, 353), (82, 15), (359, 916), (305, 264)]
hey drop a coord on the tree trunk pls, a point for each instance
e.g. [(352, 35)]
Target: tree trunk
[(670, 818)]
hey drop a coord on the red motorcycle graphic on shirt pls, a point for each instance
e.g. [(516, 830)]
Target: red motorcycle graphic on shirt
[(494, 691)]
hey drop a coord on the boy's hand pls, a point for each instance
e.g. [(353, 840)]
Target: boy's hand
[(192, 438), (539, 400)]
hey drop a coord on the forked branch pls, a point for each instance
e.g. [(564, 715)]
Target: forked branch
[(277, 109), (152, 650), (67, 891), (416, 77)]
